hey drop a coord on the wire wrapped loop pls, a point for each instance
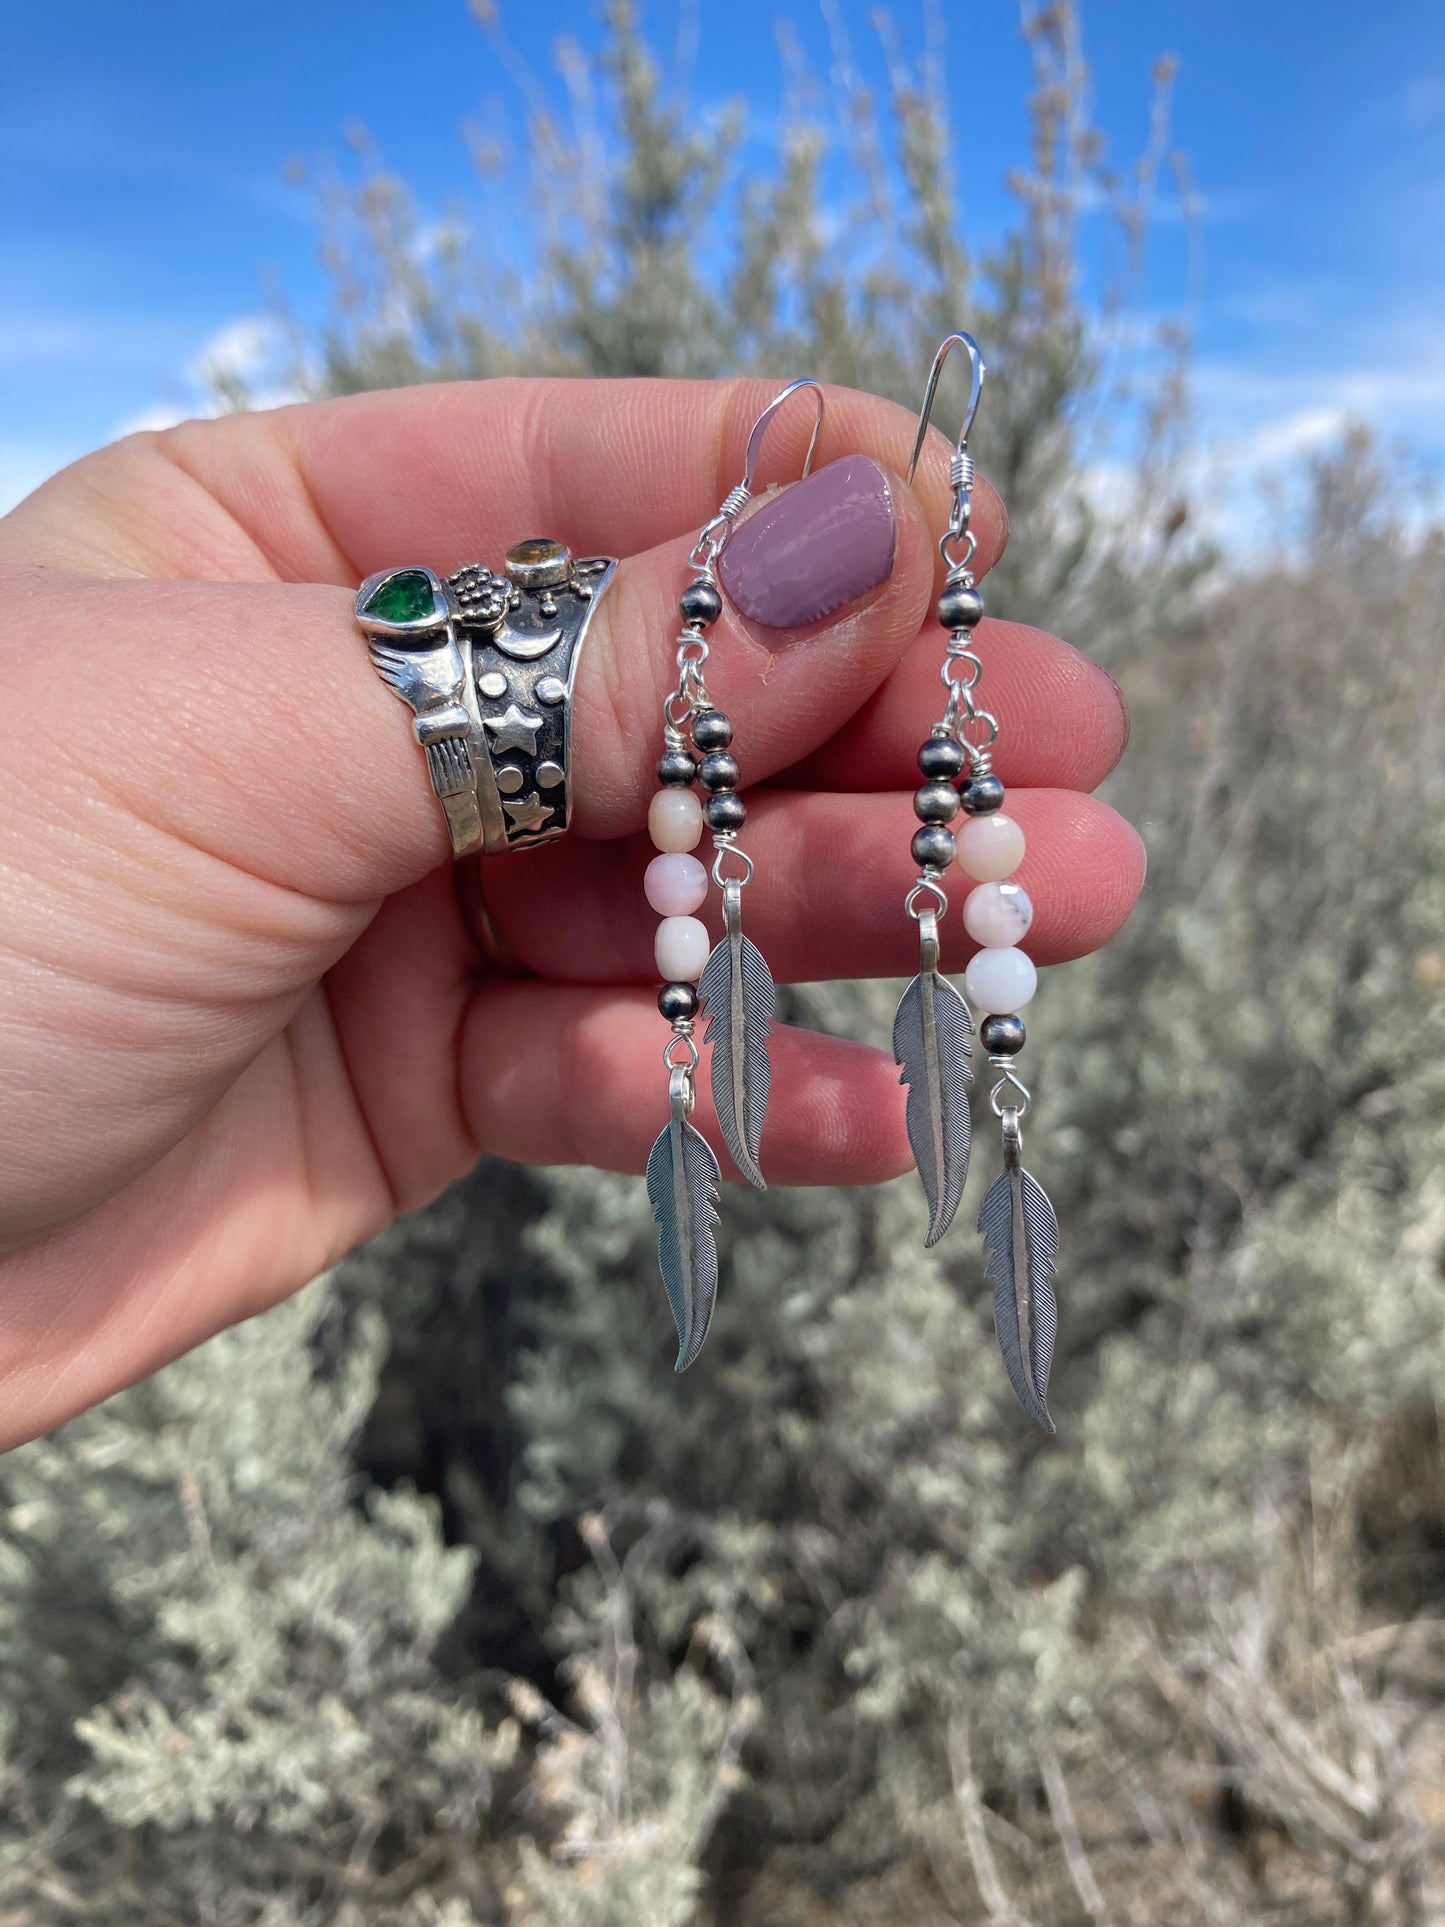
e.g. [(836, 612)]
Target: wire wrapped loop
[(951, 535), (689, 1063), (720, 877), (926, 886), (1010, 1081)]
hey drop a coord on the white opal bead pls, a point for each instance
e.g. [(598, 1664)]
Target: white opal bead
[(1000, 981), (989, 848), (681, 949), (675, 884), (674, 820), (995, 914)]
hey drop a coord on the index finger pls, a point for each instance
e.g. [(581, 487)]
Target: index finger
[(448, 473)]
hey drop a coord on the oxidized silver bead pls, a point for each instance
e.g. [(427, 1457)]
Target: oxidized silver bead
[(932, 847), (935, 803), (677, 1001), (711, 730), (700, 603), (719, 771), (959, 607), (982, 794), (1002, 1036), (725, 811), (676, 769), (941, 758)]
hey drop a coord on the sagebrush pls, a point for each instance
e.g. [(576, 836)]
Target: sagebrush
[(432, 1598)]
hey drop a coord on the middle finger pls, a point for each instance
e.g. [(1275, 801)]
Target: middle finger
[(1063, 722), (827, 898)]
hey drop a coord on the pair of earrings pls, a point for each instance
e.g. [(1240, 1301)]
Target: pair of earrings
[(932, 1032)]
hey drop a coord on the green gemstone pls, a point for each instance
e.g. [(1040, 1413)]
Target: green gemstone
[(406, 596)]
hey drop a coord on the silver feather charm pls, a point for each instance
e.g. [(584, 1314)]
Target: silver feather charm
[(737, 992), (1021, 1246), (682, 1181), (931, 1036)]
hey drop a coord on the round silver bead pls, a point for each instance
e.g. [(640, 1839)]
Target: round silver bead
[(676, 769), (1002, 1036), (726, 811), (983, 795), (712, 730), (936, 803), (700, 603), (677, 1001), (932, 847), (959, 607), (941, 758), (719, 771)]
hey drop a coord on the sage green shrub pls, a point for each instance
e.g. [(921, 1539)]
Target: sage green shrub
[(434, 1598)]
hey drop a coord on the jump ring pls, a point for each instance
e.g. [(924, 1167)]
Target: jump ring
[(990, 723)]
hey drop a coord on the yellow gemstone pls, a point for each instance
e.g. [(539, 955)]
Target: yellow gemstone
[(537, 548), (539, 563)]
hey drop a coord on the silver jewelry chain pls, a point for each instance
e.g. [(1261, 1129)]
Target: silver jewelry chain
[(690, 696)]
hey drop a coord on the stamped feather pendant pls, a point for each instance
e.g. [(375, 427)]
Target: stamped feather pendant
[(931, 1042), (932, 1032), (682, 1181), (1021, 1247), (738, 998), (732, 984)]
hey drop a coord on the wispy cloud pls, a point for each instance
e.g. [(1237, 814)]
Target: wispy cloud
[(1261, 423), (253, 350)]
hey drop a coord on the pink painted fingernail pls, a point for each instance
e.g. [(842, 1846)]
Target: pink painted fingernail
[(815, 548)]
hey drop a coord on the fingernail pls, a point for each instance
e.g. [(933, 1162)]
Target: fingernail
[(816, 547), (1124, 710)]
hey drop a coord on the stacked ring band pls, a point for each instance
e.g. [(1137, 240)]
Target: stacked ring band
[(486, 662)]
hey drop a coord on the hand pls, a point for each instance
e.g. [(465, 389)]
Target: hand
[(243, 1020)]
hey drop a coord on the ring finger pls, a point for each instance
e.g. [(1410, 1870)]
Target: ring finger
[(826, 900)]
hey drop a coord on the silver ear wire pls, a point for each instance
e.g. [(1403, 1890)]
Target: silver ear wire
[(760, 428), (733, 989), (975, 395), (932, 1034), (713, 539)]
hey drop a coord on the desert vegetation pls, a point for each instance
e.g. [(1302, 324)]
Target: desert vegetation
[(431, 1599)]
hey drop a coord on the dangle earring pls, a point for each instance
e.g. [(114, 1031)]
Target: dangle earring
[(932, 1032), (733, 986)]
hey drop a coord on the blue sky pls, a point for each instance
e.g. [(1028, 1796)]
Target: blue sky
[(145, 220)]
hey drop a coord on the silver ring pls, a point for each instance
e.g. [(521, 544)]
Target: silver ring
[(496, 952), (487, 663)]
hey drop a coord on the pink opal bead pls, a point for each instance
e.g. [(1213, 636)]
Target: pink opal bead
[(1000, 981), (997, 914), (681, 949), (674, 820), (676, 884), (989, 848)]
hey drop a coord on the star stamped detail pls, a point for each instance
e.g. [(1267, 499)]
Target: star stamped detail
[(528, 812), (514, 729)]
